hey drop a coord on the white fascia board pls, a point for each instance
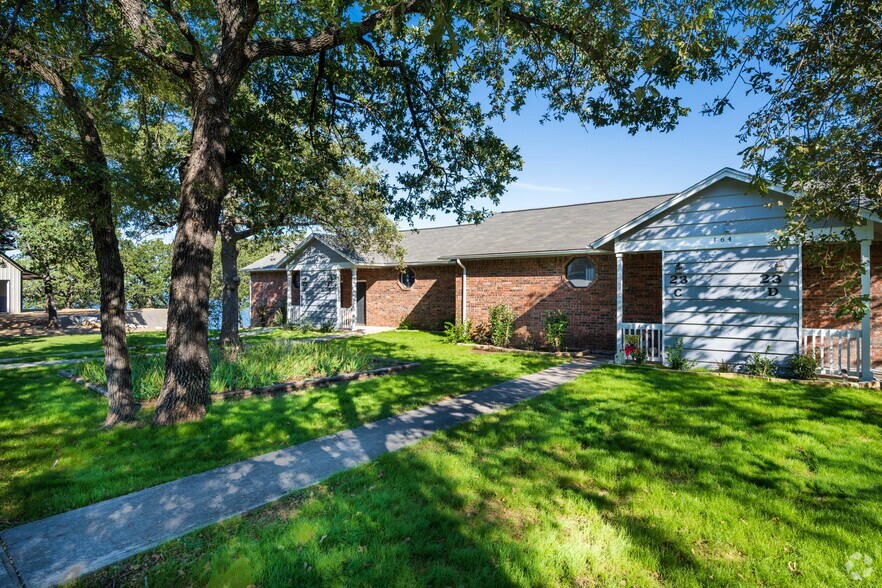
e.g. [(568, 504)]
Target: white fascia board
[(674, 201), (530, 254), (325, 266), (724, 241)]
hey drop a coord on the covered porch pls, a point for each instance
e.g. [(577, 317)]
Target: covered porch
[(324, 296), (730, 303)]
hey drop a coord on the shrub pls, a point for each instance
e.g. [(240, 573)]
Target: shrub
[(557, 322), (261, 313), (405, 324), (458, 332), (326, 327), (676, 358), (803, 366), (280, 318), (501, 324), (724, 366), (760, 365)]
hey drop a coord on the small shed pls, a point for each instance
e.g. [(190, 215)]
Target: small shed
[(11, 277)]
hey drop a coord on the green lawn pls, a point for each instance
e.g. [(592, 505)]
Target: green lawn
[(57, 347), (54, 456), (626, 477), (70, 346)]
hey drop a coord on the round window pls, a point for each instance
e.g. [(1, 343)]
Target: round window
[(406, 278), (581, 272)]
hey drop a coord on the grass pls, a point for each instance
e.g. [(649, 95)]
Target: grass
[(57, 347), (626, 477), (259, 365), (48, 347), (54, 456)]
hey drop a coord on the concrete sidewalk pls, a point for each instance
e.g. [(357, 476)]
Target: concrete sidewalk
[(66, 546)]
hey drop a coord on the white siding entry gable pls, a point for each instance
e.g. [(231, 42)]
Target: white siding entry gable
[(727, 293), (319, 268)]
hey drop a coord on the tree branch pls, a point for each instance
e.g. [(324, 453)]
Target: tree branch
[(148, 42), (184, 29), (408, 95), (330, 37), (12, 22)]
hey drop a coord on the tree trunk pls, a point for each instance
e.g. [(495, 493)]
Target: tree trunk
[(121, 403), (51, 309), (229, 335), (184, 393)]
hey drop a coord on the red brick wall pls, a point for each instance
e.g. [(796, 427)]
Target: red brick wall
[(345, 288), (428, 304), (820, 292), (269, 290), (642, 287), (532, 286)]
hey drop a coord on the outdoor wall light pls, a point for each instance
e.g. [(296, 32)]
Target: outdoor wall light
[(779, 266), (679, 267)]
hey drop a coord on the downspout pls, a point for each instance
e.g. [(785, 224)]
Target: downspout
[(464, 275)]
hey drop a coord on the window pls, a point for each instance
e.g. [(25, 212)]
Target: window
[(406, 279), (581, 272)]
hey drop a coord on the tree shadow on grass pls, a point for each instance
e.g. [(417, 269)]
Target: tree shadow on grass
[(57, 419), (599, 482)]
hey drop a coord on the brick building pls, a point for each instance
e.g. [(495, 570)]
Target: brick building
[(693, 268)]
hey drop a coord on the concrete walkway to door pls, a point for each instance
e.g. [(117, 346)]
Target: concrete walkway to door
[(64, 547)]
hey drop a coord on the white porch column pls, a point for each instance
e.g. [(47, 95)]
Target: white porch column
[(289, 307), (866, 371), (354, 303), (620, 344)]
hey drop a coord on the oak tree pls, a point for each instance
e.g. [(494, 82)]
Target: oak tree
[(408, 74)]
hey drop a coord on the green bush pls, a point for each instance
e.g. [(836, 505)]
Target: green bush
[(557, 322), (280, 318), (501, 324), (676, 358), (803, 366), (760, 365), (261, 313), (458, 332)]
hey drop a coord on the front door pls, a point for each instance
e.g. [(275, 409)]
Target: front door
[(4, 295), (360, 293)]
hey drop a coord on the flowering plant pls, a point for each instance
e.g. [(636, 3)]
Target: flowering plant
[(633, 350)]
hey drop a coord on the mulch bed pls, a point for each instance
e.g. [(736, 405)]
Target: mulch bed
[(275, 389), (822, 380), (495, 349)]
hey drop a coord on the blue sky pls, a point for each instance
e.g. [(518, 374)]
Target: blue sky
[(565, 164)]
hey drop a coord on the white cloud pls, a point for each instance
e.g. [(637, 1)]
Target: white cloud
[(539, 188)]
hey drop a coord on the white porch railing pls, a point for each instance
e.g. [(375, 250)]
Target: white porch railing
[(294, 314), (651, 338), (838, 351), (347, 319)]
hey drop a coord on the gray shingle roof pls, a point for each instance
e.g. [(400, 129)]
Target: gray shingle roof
[(539, 231), (549, 230)]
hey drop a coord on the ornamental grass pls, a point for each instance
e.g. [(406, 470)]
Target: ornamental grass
[(256, 366)]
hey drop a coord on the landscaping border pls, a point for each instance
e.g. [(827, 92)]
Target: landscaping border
[(274, 389), (828, 382), (495, 349)]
